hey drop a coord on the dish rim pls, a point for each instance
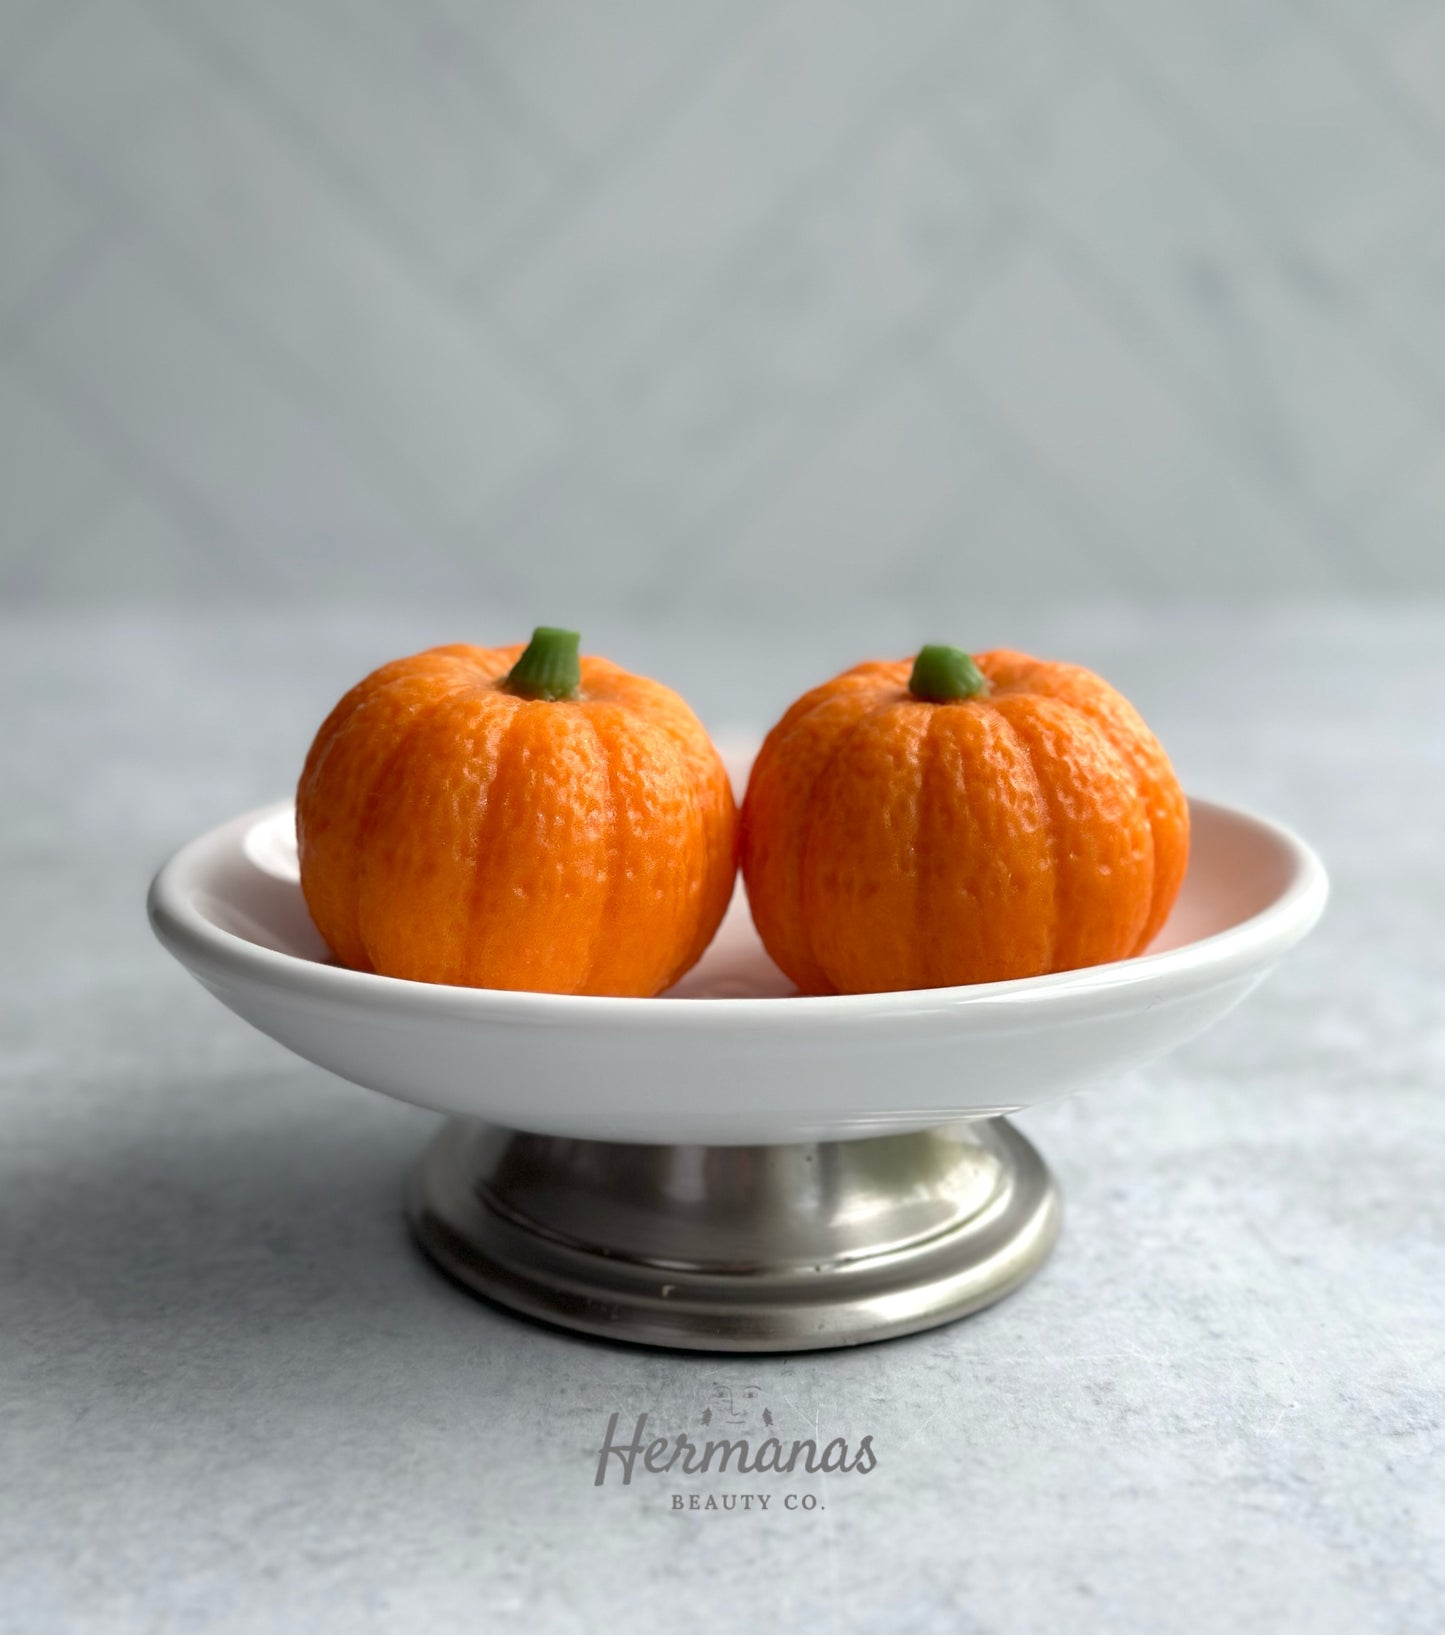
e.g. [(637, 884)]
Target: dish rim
[(197, 941)]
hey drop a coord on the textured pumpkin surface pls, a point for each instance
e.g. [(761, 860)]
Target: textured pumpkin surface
[(889, 842), (452, 832)]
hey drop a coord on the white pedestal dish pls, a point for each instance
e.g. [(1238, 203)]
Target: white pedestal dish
[(733, 1166)]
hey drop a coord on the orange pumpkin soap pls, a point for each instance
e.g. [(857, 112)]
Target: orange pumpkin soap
[(959, 819), (510, 819)]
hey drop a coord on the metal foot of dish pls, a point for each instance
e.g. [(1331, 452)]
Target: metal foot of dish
[(786, 1248)]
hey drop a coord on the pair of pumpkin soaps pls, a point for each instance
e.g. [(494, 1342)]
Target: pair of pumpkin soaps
[(528, 819)]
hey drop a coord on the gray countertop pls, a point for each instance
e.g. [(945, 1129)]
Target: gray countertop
[(235, 1397)]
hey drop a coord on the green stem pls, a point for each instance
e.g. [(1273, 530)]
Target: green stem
[(549, 667), (943, 674)]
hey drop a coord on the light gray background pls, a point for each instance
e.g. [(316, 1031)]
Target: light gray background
[(695, 307), (754, 340)]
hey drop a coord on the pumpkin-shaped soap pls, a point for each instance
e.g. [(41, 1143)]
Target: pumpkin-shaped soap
[(959, 819), (509, 819)]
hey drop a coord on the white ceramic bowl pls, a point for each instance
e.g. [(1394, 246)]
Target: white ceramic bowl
[(732, 1055)]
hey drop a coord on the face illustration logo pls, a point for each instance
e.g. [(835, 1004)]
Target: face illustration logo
[(736, 1406), (758, 1450)]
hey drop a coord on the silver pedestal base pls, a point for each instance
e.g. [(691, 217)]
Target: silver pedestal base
[(788, 1248)]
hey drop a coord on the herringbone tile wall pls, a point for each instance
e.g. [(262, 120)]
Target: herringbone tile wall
[(677, 305)]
